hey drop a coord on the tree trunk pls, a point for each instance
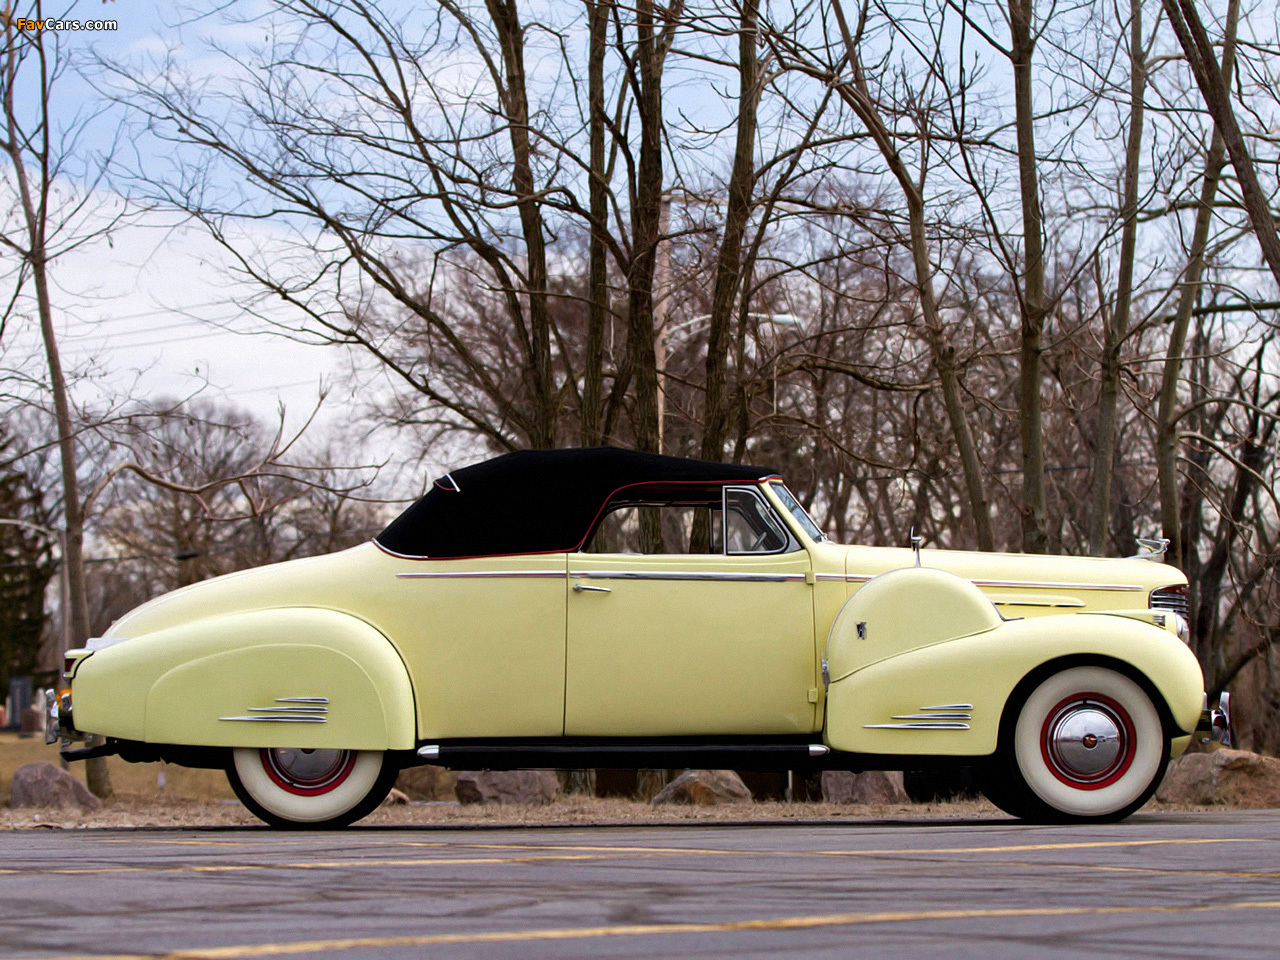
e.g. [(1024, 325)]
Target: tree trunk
[(597, 270), (1113, 339), (1035, 523), (728, 280), (943, 351), (1217, 97), (1166, 415), (515, 104), (35, 217)]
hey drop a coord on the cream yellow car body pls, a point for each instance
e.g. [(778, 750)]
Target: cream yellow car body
[(406, 650)]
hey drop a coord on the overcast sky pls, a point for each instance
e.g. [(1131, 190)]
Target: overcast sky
[(153, 312)]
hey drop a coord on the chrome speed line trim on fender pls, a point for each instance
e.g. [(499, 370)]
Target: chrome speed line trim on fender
[(295, 710), (945, 716), (291, 718)]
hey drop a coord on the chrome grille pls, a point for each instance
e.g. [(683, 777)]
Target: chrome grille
[(1171, 598)]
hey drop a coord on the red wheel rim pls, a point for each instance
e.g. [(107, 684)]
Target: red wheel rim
[(308, 773), (1077, 727)]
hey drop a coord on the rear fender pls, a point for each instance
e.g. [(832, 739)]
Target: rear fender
[(289, 677)]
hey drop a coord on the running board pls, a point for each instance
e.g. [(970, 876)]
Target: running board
[(591, 752)]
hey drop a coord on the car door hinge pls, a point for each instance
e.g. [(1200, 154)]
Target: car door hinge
[(813, 694), (810, 578)]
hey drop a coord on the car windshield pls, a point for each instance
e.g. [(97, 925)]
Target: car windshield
[(793, 505)]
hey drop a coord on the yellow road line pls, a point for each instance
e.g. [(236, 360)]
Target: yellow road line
[(607, 853), (313, 864), (658, 929), (1161, 871), (1013, 848)]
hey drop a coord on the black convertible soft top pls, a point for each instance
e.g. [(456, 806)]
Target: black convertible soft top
[(537, 501)]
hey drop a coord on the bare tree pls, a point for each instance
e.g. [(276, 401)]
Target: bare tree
[(1167, 414), (1116, 324), (53, 215), (856, 93), (1214, 87)]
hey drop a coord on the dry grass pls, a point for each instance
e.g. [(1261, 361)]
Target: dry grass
[(177, 813), (202, 798), (139, 780)]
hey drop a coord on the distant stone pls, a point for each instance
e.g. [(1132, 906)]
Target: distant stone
[(1235, 778), (705, 788), (43, 784), (427, 783), (396, 798), (872, 786), (507, 786)]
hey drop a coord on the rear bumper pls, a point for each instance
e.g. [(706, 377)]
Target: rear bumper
[(59, 722)]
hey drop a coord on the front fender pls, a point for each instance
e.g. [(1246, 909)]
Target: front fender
[(227, 681), (885, 708)]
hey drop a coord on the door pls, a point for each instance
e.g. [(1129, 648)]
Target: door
[(694, 644)]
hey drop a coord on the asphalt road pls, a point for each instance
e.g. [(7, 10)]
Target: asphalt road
[(1167, 885)]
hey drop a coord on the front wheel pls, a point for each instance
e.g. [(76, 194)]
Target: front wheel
[(289, 787), (1088, 744)]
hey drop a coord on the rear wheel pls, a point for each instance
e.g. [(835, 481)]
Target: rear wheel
[(1088, 744), (288, 787)]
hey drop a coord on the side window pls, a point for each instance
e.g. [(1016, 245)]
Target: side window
[(659, 529), (750, 526)]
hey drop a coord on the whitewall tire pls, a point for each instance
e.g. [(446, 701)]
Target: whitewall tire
[(310, 788), (1089, 745)]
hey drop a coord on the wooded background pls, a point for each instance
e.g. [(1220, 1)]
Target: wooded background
[(1002, 272)]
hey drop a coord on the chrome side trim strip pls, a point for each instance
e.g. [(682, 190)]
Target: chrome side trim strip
[(677, 575), (291, 718), (1014, 602), (285, 710), (302, 699), (482, 575), (941, 725), (1037, 584), (1053, 585), (950, 706), (933, 716)]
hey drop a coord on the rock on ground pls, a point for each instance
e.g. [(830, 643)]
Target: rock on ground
[(427, 783), (1235, 777), (873, 786), (507, 786), (704, 788), (396, 798), (43, 784)]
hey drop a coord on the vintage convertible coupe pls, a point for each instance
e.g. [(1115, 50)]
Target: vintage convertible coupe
[(606, 608)]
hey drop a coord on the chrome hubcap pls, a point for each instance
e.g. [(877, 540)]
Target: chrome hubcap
[(1088, 742), (312, 769)]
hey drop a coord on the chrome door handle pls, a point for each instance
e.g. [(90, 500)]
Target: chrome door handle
[(579, 587)]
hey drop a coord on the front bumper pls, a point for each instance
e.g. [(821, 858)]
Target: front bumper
[(1215, 721)]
